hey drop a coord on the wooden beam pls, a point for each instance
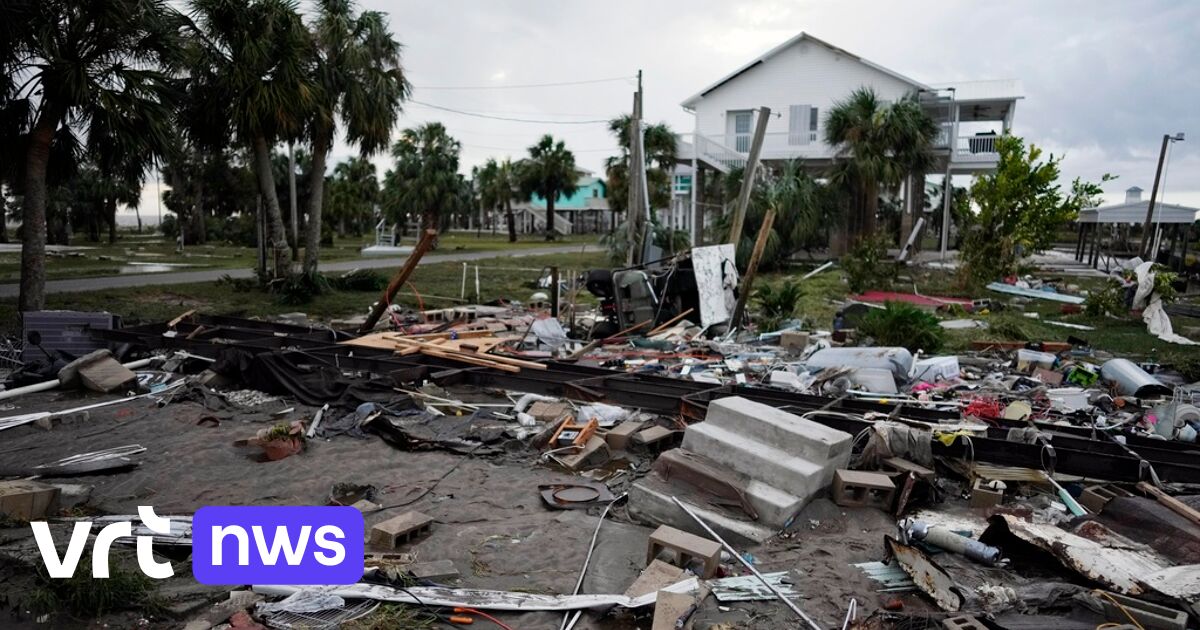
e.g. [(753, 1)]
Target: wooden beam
[(410, 265), (739, 312), (1171, 503), (739, 214)]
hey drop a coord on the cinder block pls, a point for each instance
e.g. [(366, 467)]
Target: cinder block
[(857, 488), (1094, 498), (793, 340), (655, 438), (1150, 616), (686, 548), (984, 497), (400, 530), (963, 622), (618, 437), (787, 432), (594, 453)]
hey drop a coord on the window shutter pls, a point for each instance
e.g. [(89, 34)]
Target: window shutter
[(813, 122), (798, 120)]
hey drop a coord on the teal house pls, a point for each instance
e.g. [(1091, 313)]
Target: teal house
[(585, 211)]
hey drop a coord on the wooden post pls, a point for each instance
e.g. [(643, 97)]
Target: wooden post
[(739, 213), (1147, 235), (554, 292), (410, 265), (636, 170), (752, 268)]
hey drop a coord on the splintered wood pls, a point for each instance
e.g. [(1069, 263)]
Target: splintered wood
[(471, 347)]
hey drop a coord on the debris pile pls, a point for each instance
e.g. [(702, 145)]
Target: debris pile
[(640, 464)]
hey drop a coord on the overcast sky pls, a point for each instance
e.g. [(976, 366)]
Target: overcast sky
[(1103, 80)]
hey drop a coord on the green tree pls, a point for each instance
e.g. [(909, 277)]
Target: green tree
[(425, 177), (499, 186), (352, 194), (549, 171), (100, 69), (362, 84), (1021, 206), (660, 144), (877, 146), (251, 76)]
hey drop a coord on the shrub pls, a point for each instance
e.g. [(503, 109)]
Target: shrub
[(777, 303), (299, 288), (360, 280), (1107, 301), (867, 265), (169, 226), (901, 324)]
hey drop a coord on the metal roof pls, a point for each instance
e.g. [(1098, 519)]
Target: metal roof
[(784, 46), (1135, 212)]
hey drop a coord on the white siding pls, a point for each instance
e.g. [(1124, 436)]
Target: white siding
[(806, 73)]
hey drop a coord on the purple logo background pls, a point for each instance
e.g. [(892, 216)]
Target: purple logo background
[(309, 569)]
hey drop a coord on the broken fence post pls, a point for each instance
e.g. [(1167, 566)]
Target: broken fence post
[(410, 265)]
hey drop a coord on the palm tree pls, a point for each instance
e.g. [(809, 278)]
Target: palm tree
[(877, 146), (549, 171), (99, 69), (353, 192), (660, 144), (357, 66), (250, 75), (498, 187), (425, 177)]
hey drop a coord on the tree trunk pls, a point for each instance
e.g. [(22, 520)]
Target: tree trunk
[(550, 217), (429, 221), (511, 220), (137, 212), (316, 194), (199, 226), (870, 208), (110, 217), (276, 233), (33, 240), (341, 226)]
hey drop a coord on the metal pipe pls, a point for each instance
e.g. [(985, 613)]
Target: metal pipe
[(51, 384), (586, 561), (733, 552)]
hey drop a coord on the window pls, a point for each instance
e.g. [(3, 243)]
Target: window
[(595, 192), (802, 124)]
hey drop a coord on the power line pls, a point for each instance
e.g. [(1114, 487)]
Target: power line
[(520, 87), (519, 149), (521, 120)]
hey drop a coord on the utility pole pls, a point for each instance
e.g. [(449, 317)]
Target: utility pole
[(635, 173), (292, 200), (739, 213), (1147, 238)]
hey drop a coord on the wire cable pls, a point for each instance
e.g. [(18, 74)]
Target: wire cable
[(507, 119), (521, 86)]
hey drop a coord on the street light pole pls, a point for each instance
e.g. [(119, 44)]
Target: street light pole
[(1147, 239)]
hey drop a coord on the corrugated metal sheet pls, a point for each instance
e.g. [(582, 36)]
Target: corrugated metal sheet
[(890, 576), (747, 588)]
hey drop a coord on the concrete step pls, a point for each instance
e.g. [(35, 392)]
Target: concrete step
[(773, 506), (785, 431), (757, 460), (650, 502)]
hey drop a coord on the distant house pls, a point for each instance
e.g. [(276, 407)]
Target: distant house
[(800, 80), (586, 211)]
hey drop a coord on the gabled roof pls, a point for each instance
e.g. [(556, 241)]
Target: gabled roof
[(763, 58)]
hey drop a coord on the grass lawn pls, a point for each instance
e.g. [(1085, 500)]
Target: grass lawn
[(512, 278), (102, 259)]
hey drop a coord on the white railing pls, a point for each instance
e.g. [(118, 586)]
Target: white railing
[(712, 152), (981, 147), (385, 236)]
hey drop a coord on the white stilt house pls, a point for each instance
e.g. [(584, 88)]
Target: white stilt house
[(800, 80)]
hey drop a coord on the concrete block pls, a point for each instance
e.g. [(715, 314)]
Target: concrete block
[(655, 438), (685, 548), (400, 530), (656, 575), (594, 453), (1150, 616), (548, 411), (899, 464), (618, 437), (436, 571), (785, 431), (963, 622), (1094, 498), (366, 507), (857, 488), (27, 500), (793, 340), (984, 497)]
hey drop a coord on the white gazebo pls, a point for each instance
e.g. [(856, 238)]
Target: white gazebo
[(1175, 218)]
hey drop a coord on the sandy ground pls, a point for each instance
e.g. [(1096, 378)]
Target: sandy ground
[(490, 520)]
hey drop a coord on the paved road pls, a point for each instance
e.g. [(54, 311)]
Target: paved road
[(210, 275)]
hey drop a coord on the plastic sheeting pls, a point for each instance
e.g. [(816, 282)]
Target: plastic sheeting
[(1157, 321)]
